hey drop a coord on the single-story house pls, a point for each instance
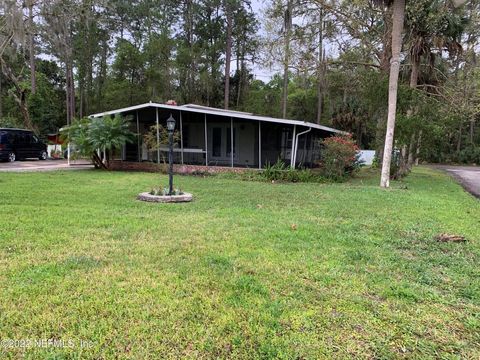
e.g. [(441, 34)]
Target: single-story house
[(217, 137)]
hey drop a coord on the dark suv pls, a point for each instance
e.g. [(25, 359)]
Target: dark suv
[(16, 144)]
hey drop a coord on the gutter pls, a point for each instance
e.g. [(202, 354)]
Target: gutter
[(296, 146)]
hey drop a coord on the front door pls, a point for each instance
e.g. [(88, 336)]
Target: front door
[(220, 144)]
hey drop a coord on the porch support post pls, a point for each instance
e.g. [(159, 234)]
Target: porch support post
[(68, 154), (158, 137), (206, 142), (139, 149), (292, 155), (181, 135), (231, 140), (259, 144)]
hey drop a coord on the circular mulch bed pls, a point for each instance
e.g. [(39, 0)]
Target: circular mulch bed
[(185, 197)]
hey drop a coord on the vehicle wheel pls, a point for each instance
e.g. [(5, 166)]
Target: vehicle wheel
[(43, 155), (11, 157)]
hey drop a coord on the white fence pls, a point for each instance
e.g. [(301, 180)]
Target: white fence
[(52, 148), (367, 156)]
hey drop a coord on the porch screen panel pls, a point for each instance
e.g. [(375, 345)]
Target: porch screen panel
[(245, 143), (217, 141), (276, 143), (193, 138)]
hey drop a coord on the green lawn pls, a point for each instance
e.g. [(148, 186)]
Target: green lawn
[(227, 277)]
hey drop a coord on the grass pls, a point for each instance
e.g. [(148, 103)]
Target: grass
[(228, 277)]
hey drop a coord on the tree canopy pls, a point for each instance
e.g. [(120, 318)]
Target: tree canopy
[(323, 61)]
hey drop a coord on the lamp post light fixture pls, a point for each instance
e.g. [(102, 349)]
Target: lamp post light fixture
[(170, 128)]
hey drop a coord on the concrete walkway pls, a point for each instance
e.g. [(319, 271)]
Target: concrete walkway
[(47, 165), (467, 176)]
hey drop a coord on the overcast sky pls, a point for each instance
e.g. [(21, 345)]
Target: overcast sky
[(256, 4), (261, 73)]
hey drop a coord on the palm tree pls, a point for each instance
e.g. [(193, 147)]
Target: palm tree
[(398, 14), (434, 26), (287, 33), (105, 134), (109, 133)]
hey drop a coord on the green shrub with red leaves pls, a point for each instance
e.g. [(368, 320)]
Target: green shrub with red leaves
[(339, 157)]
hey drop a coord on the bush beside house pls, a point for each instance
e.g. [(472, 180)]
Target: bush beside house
[(339, 157)]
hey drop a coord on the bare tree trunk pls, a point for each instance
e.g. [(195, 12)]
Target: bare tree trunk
[(320, 69), (81, 93), (97, 161), (459, 142), (402, 168), (89, 81), (70, 91), (411, 151), (240, 82), (385, 57), (228, 53), (397, 29), (472, 130), (130, 90), (88, 99), (239, 85), (386, 54), (107, 158), (417, 152), (288, 28), (19, 94), (25, 114), (186, 75), (67, 94), (415, 72), (239, 90), (103, 70), (413, 85), (31, 46)]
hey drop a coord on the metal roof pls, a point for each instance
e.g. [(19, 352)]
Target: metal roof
[(195, 106), (220, 112)]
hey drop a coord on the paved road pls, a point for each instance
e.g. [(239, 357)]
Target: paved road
[(468, 176), (47, 165)]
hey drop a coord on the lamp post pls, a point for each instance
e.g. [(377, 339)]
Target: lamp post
[(170, 128)]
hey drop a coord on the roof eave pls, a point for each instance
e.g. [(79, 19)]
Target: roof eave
[(220, 112)]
